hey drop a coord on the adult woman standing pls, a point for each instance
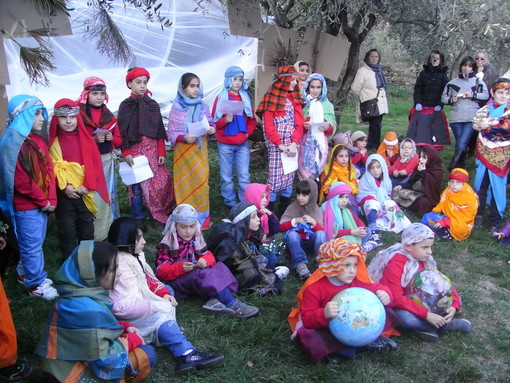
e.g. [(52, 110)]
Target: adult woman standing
[(429, 125), (368, 84), (463, 93)]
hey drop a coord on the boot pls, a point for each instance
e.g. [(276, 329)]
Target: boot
[(462, 160), (455, 160), (282, 206)]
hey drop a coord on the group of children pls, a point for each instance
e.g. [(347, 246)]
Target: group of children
[(74, 176)]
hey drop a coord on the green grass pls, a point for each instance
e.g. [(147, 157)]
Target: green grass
[(259, 349)]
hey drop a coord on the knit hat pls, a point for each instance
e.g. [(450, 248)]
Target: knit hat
[(357, 135), (136, 72), (459, 174), (390, 138), (332, 254)]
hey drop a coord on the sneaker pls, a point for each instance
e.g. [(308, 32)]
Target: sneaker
[(302, 271), (243, 310), (15, 373), (376, 237), (21, 281), (45, 291), (368, 246), (381, 344), (462, 325), (427, 336), (198, 360), (281, 272), (216, 306)]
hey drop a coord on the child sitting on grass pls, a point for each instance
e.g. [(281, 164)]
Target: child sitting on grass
[(396, 266), (341, 266), (235, 242), (258, 194), (184, 262), (388, 149), (140, 298), (405, 163), (302, 222), (341, 221), (454, 215), (359, 152)]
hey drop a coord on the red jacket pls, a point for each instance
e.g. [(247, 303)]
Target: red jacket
[(299, 123), (27, 195), (392, 278), (169, 271), (321, 292), (240, 138)]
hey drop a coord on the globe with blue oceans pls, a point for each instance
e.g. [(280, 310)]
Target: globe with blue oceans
[(360, 319), (432, 290)]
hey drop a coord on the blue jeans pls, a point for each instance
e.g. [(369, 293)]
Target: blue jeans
[(412, 322), (284, 193), (137, 202), (299, 247), (230, 156), (462, 132), (171, 336), (31, 231)]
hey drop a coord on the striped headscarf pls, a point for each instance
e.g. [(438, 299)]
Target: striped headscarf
[(274, 99), (333, 253), (92, 84)]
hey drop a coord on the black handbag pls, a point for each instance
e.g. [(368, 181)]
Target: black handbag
[(369, 108)]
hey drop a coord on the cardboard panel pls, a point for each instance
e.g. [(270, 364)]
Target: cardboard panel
[(263, 78), (17, 16), (244, 17), (268, 37), (3, 108), (4, 72)]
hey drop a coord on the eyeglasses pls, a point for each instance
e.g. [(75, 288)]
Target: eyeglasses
[(479, 58)]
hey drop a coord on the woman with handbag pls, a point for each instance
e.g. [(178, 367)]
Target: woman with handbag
[(369, 86)]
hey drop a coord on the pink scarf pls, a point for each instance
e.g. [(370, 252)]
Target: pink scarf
[(253, 194)]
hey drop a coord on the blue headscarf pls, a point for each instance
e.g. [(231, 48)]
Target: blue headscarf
[(192, 105), (367, 183), (315, 76), (21, 109), (238, 123)]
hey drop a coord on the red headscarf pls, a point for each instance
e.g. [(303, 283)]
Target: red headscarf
[(274, 99), (91, 84), (94, 175)]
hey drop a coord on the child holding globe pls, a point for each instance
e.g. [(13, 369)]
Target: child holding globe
[(396, 266), (341, 266)]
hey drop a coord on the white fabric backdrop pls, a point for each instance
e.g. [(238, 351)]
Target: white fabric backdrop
[(198, 42)]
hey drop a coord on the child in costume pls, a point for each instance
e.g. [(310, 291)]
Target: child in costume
[(388, 149), (454, 215), (184, 262), (313, 147), (282, 115), (140, 298), (232, 133), (10, 367), (493, 154), (303, 70), (302, 224), (420, 193), (359, 152), (396, 266), (143, 133), (191, 163), (341, 221), (374, 197), (338, 168), (236, 241), (28, 188), (83, 341), (258, 194), (405, 164), (102, 125), (79, 173), (341, 266)]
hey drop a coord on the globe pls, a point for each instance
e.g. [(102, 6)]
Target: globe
[(432, 290), (360, 319)]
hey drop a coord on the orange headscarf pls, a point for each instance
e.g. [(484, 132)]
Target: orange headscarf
[(390, 138), (334, 172), (460, 207)]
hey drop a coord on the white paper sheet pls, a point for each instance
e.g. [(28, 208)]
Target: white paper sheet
[(99, 130), (139, 172), (290, 164), (231, 107), (198, 129)]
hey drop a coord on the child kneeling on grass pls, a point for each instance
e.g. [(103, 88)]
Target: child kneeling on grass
[(341, 266), (140, 298), (184, 261), (396, 266)]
